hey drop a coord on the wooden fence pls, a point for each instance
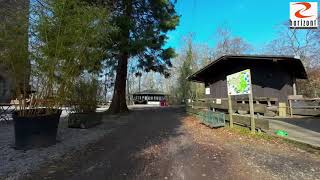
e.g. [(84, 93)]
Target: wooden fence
[(196, 107), (304, 106), (261, 106)]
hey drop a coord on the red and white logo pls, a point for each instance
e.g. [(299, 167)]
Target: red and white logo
[(303, 15)]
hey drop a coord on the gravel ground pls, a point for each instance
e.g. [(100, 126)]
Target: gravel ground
[(165, 143), (277, 159), (17, 163)]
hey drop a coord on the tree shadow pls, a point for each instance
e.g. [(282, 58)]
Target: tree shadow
[(147, 128), (311, 123), (116, 156)]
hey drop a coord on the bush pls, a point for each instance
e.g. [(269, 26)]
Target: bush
[(84, 96)]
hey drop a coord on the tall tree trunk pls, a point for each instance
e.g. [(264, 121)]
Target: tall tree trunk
[(118, 104)]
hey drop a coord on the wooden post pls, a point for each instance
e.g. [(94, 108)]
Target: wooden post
[(252, 123), (282, 109), (230, 110), (294, 87), (290, 104)]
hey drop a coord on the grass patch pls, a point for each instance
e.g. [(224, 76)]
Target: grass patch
[(245, 131)]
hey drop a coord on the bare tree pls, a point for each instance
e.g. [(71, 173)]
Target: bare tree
[(296, 42), (304, 44), (228, 44)]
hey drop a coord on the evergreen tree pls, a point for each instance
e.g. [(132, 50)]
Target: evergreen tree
[(184, 88), (142, 27), (14, 62), (66, 43)]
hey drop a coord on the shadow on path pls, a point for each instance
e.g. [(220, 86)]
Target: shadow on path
[(310, 123), (113, 157)]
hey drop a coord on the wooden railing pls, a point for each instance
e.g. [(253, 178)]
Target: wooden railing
[(197, 106), (304, 106), (261, 106)]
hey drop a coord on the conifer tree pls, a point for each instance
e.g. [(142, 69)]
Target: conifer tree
[(142, 27)]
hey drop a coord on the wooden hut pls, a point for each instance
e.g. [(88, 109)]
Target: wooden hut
[(148, 97), (272, 76)]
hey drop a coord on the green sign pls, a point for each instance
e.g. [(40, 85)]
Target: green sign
[(239, 83)]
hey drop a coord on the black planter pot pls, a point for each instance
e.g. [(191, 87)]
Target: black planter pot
[(38, 130), (84, 120)]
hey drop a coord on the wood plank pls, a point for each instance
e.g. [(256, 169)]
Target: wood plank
[(191, 110), (306, 112), (306, 107), (244, 98), (292, 97), (296, 103), (258, 108), (301, 98), (245, 120)]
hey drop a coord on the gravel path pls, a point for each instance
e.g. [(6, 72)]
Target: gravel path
[(273, 158), (164, 143), (17, 163)]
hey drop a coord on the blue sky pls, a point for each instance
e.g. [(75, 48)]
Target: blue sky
[(254, 20)]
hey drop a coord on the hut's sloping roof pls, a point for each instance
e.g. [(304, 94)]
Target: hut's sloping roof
[(149, 92), (219, 65)]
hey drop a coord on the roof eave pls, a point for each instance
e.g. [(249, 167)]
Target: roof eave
[(193, 77), (203, 69)]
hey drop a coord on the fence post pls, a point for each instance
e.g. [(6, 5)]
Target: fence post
[(252, 123), (291, 111), (230, 110)]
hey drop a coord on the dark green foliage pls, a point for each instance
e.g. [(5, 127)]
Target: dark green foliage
[(184, 87), (14, 44), (142, 27), (71, 32), (84, 95), (67, 38), (191, 59)]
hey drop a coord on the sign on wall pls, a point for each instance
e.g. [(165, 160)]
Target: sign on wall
[(207, 91), (239, 83)]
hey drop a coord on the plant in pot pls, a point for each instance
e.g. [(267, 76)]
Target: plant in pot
[(84, 104), (63, 43), (32, 127)]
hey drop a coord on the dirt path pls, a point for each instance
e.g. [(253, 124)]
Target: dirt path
[(166, 144)]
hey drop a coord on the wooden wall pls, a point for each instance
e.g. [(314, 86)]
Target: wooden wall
[(270, 79)]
